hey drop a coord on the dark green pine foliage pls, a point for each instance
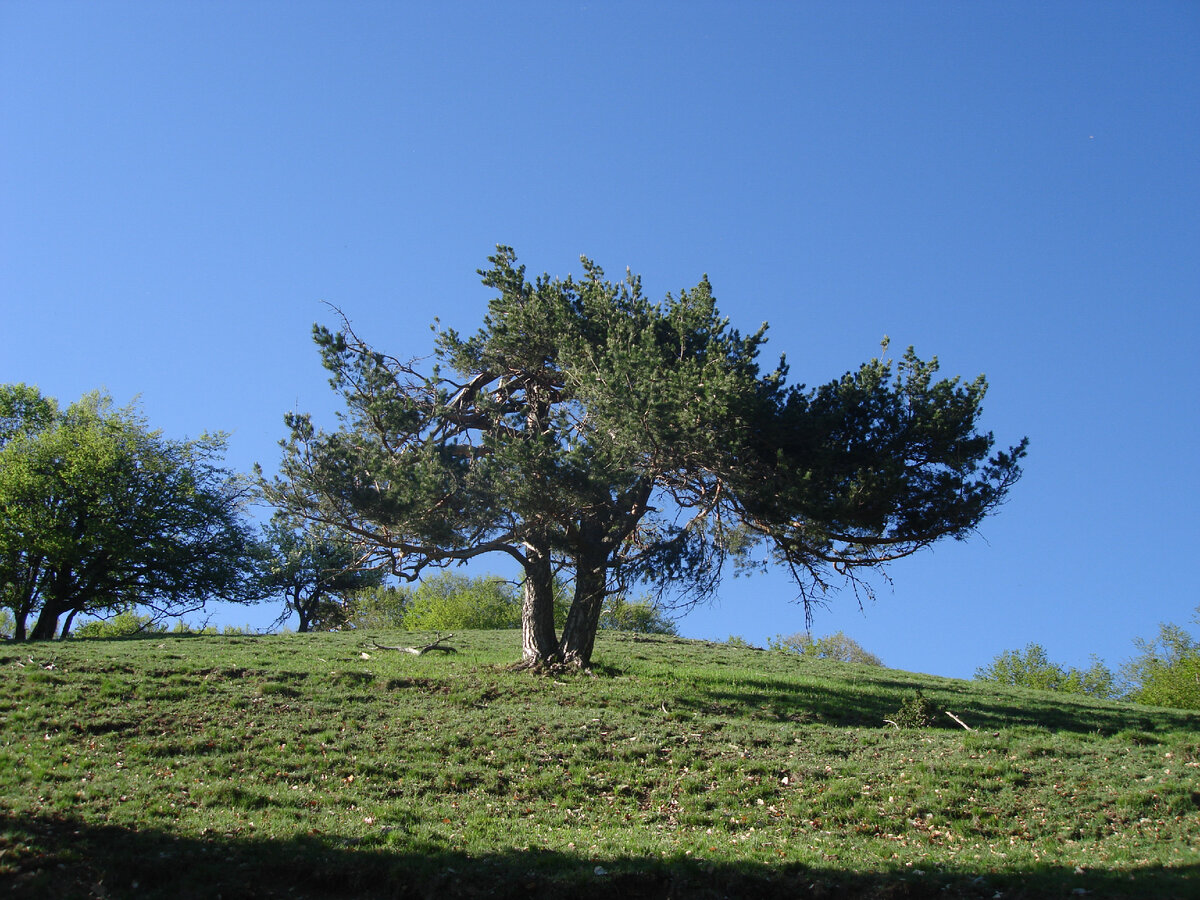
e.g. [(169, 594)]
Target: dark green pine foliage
[(870, 468), (584, 429)]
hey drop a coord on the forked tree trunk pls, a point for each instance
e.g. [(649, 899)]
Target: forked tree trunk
[(66, 629), (55, 603), (538, 643), (583, 620), (46, 626), (21, 610), (302, 611)]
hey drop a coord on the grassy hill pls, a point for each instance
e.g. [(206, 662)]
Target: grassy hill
[(321, 766)]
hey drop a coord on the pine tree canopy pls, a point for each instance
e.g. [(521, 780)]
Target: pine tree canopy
[(586, 430)]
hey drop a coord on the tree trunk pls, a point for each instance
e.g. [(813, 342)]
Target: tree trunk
[(303, 608), (538, 642), (25, 603), (591, 587), (66, 629), (56, 601), (47, 621)]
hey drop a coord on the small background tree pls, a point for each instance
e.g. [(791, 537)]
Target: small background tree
[(125, 624), (382, 606), (450, 600), (316, 570)]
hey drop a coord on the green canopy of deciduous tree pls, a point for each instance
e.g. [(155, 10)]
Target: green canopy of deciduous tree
[(1166, 669), (1033, 668), (588, 430), (100, 514)]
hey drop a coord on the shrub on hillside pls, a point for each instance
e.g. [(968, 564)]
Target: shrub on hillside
[(1166, 671), (448, 601), (1176, 685), (1033, 668), (381, 606), (836, 646), (129, 624), (182, 627), (916, 711), (124, 624), (640, 616)]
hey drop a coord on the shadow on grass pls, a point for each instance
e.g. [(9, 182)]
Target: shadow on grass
[(869, 700), (68, 858)]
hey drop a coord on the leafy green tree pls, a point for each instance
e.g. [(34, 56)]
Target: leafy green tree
[(99, 514), (182, 627), (1097, 680), (837, 646), (1166, 671), (23, 413), (316, 570), (1033, 668), (586, 429)]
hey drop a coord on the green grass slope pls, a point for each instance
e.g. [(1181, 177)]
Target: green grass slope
[(322, 766)]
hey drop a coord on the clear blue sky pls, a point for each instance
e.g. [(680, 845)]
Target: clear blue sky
[(1013, 187)]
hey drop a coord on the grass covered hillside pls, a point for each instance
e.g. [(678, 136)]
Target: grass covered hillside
[(321, 766)]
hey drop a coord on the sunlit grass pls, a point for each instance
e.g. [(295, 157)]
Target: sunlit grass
[(331, 763)]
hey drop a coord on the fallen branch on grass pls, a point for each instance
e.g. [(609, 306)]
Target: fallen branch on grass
[(420, 651), (958, 720)]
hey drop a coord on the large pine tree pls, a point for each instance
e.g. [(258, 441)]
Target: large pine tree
[(586, 429)]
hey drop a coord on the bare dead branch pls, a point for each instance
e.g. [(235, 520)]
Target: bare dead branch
[(420, 651), (958, 720)]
